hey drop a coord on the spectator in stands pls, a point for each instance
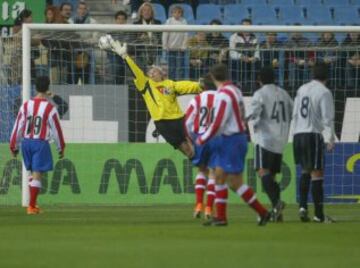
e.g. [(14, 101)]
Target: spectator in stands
[(82, 15), (52, 14), (80, 54), (175, 44), (269, 51), (270, 55), (58, 47), (25, 16), (244, 56), (329, 57), (117, 63), (218, 44), (148, 42), (199, 54), (351, 60), (65, 12), (299, 58)]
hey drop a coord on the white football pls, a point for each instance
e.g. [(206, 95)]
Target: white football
[(105, 42)]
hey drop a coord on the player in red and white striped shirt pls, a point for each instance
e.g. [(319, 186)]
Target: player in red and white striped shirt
[(232, 148), (37, 122), (198, 117)]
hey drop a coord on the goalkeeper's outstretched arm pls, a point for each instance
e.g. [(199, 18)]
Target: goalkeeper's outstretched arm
[(121, 50)]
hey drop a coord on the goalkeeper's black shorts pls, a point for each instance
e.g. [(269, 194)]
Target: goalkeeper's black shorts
[(172, 130)]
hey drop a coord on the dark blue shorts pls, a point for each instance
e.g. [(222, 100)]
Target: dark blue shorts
[(206, 155), (37, 155), (232, 152)]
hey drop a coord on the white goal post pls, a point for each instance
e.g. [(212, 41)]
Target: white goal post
[(28, 28)]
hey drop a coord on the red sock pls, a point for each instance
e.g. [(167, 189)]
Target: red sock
[(210, 193), (249, 197), (221, 194), (34, 187), (200, 186)]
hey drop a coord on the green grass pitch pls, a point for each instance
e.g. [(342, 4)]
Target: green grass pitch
[(167, 236)]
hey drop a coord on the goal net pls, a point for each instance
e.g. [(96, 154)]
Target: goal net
[(114, 154)]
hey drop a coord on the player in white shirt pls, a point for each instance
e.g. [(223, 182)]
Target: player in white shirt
[(229, 125), (270, 111), (313, 118)]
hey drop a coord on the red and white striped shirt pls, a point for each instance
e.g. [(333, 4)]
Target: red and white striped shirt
[(229, 113), (37, 119), (200, 113)]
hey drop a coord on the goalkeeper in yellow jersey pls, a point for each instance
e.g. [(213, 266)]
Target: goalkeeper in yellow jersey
[(160, 95)]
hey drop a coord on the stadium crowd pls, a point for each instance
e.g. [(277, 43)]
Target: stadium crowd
[(72, 58)]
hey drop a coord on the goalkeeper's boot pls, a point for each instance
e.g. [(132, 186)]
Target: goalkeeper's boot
[(264, 219), (277, 211), (197, 210), (208, 213), (303, 214), (325, 219), (33, 210), (216, 222)]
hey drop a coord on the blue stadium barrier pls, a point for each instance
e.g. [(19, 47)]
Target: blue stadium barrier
[(9, 103), (340, 184)]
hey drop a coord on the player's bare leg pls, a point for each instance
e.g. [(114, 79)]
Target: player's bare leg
[(187, 149), (200, 186), (272, 189), (34, 188), (248, 195)]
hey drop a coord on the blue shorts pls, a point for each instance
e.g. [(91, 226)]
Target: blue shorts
[(231, 153), (37, 155), (206, 155)]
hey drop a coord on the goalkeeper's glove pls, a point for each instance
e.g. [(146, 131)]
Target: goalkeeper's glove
[(118, 48)]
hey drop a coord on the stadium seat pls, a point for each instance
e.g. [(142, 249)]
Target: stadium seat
[(233, 14), (290, 14), (336, 3), (160, 13), (308, 2), (355, 2), (270, 20), (280, 2), (321, 21), (318, 12), (188, 11), (346, 14), (208, 11), (262, 13), (253, 2)]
